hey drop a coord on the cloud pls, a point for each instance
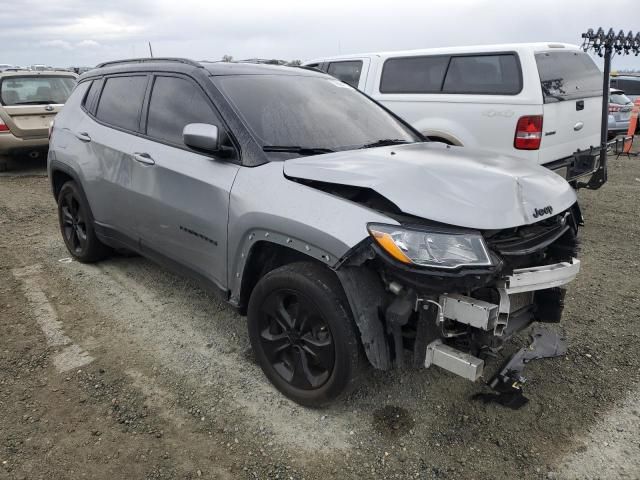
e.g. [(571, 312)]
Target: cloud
[(86, 32), (56, 44), (87, 44)]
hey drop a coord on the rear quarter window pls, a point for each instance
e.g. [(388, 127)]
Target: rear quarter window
[(89, 101), (348, 71), (568, 75), (121, 101)]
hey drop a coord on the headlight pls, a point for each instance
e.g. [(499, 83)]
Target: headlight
[(431, 249)]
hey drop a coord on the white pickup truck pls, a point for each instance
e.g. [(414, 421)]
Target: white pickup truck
[(538, 101)]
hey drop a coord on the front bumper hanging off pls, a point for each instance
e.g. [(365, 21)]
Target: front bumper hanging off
[(516, 292)]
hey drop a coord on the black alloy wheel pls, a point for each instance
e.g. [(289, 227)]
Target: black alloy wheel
[(296, 339), (303, 334), (74, 223)]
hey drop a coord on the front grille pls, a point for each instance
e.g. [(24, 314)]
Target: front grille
[(553, 238)]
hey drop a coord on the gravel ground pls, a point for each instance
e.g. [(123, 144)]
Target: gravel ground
[(122, 370)]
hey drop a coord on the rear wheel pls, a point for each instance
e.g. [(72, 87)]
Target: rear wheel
[(76, 225), (4, 164), (302, 333)]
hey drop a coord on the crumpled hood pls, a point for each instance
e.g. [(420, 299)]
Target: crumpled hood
[(456, 186)]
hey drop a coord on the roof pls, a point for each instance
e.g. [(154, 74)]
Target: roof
[(239, 68), (185, 65), (627, 76), (32, 73), (504, 47)]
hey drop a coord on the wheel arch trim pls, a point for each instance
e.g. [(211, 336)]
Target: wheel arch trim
[(57, 166), (259, 236)]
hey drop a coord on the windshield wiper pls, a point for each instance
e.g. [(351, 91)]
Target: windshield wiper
[(384, 142), (296, 149)]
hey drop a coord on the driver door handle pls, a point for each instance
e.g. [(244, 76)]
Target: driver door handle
[(84, 136), (144, 158)]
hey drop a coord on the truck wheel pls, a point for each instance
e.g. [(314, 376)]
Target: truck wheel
[(302, 333), (76, 225)]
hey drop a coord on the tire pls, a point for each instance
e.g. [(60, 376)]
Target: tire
[(4, 164), (303, 335), (76, 225)]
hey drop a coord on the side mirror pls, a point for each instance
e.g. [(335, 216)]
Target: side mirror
[(202, 137)]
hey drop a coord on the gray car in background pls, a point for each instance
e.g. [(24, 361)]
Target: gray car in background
[(345, 236), (620, 107)]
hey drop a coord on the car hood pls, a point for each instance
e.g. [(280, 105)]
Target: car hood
[(452, 185)]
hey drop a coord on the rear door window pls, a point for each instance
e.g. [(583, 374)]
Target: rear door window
[(484, 74), (413, 74), (568, 75), (176, 102), (348, 71), (121, 101)]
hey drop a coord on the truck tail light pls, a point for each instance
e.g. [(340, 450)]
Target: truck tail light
[(528, 133), (3, 126)]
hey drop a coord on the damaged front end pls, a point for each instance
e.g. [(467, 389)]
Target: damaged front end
[(425, 294)]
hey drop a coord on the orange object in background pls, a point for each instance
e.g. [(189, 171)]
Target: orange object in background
[(633, 122)]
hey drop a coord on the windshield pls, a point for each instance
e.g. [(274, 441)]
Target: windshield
[(310, 112), (36, 90), (619, 98)]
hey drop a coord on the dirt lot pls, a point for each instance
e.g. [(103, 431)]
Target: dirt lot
[(121, 370)]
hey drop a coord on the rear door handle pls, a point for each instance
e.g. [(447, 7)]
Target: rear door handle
[(144, 158), (84, 136)]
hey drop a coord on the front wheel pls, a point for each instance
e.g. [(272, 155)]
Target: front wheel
[(302, 333), (76, 225)]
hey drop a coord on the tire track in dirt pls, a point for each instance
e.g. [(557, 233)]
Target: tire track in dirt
[(153, 319), (73, 356)]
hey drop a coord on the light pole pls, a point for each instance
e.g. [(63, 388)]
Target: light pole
[(606, 45)]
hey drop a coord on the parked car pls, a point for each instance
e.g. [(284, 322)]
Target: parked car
[(333, 224), (629, 84), (4, 66), (28, 103), (620, 107), (539, 101)]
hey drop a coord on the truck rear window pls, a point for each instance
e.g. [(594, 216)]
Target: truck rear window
[(35, 90), (568, 75)]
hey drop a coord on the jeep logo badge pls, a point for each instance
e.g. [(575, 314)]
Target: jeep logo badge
[(538, 212), (49, 108)]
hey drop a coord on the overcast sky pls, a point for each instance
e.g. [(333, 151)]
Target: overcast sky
[(85, 32)]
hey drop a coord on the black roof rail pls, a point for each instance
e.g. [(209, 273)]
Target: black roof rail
[(149, 60)]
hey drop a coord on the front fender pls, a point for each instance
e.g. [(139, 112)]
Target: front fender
[(266, 206)]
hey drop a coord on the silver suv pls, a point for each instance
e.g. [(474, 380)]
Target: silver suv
[(343, 234)]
